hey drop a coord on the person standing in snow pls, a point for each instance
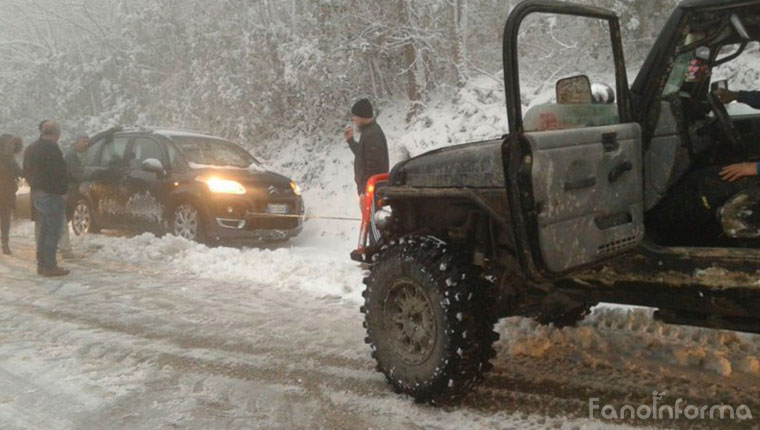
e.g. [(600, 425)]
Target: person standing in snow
[(75, 172), (45, 170), (10, 173), (371, 152)]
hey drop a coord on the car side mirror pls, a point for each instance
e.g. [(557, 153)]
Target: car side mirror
[(574, 90), (719, 85), (154, 166)]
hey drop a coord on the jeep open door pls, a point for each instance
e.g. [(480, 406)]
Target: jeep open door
[(574, 167)]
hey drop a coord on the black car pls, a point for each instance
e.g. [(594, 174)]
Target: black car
[(200, 187)]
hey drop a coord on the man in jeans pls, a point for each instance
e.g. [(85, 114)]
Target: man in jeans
[(45, 171)]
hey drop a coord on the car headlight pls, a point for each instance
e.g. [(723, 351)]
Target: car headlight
[(223, 186), (295, 187)]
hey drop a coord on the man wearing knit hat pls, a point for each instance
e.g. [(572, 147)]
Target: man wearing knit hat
[(371, 152)]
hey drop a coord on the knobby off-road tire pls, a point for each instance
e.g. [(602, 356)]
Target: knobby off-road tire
[(427, 319)]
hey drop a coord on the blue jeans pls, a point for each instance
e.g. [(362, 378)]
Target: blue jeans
[(50, 209)]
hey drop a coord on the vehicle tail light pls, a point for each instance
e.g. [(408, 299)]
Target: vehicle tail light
[(368, 206)]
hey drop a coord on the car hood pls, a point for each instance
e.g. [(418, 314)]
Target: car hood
[(477, 165)]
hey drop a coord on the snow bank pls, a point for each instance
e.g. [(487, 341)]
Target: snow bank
[(315, 270), (612, 334)]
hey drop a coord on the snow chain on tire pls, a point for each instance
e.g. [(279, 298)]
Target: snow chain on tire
[(432, 272)]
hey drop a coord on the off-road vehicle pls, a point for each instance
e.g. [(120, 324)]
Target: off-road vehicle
[(554, 217)]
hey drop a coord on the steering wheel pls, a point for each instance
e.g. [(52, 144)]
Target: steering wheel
[(726, 126)]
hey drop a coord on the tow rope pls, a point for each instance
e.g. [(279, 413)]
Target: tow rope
[(306, 217)]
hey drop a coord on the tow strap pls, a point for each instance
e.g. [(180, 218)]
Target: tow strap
[(306, 217)]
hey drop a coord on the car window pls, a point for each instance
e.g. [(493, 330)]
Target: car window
[(144, 148), (91, 156), (176, 162), (564, 97), (113, 152)]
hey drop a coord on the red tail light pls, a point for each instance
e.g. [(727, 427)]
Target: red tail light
[(369, 199)]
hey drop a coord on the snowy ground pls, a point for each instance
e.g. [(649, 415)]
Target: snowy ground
[(153, 333), (160, 333)]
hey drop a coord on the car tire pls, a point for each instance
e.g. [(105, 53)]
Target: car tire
[(83, 218), (427, 319), (187, 222)]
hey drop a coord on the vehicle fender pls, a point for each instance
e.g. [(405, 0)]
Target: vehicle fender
[(186, 195)]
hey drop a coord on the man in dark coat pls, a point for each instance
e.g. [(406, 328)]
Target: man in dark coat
[(371, 152), (45, 171)]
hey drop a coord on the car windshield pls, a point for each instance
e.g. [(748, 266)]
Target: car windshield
[(213, 152)]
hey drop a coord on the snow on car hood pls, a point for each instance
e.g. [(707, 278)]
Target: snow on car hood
[(253, 168)]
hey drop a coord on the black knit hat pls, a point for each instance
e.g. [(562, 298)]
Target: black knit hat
[(362, 109)]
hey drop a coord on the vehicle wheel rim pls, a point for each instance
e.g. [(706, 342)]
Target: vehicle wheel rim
[(81, 219), (412, 322), (186, 222)]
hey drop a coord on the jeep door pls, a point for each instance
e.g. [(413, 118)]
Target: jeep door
[(574, 164), (143, 190)]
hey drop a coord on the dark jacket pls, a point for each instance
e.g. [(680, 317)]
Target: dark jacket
[(10, 173), (44, 168), (750, 98), (370, 155)]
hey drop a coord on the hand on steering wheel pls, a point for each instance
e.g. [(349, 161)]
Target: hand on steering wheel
[(725, 124)]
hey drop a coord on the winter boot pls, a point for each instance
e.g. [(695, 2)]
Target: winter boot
[(55, 272)]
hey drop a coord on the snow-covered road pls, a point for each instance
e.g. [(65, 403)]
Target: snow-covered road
[(154, 333)]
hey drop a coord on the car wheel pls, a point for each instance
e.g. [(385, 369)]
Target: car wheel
[(82, 219), (427, 320), (188, 223)]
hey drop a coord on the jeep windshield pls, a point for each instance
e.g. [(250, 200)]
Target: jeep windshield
[(209, 152)]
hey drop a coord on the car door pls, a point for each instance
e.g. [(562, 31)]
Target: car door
[(575, 165), (107, 176), (145, 189)]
